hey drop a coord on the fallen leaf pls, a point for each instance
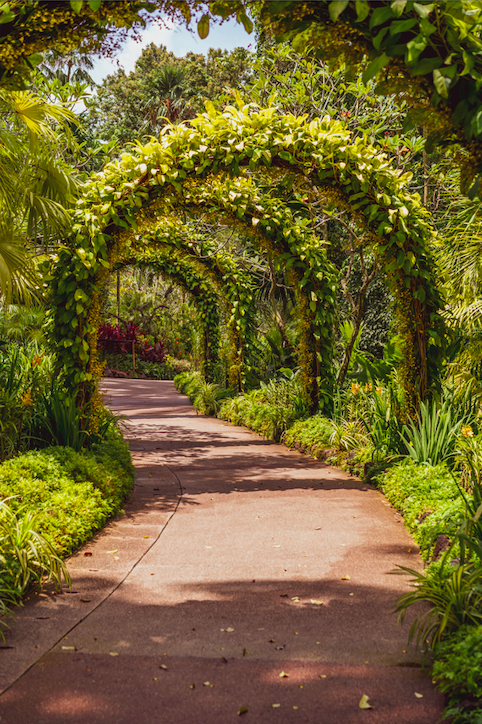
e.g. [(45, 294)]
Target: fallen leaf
[(317, 603), (114, 551), (87, 553), (193, 686), (364, 702), (279, 648), (271, 641), (116, 558), (113, 653), (277, 546), (68, 648), (322, 676), (345, 578), (283, 675), (154, 678), (146, 536), (419, 696), (85, 600), (207, 683), (243, 710), (275, 706), (295, 707), (229, 630), (163, 666)]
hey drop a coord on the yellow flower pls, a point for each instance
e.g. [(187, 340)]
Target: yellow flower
[(355, 388), (368, 387), (467, 431), (379, 390), (36, 360), (27, 399)]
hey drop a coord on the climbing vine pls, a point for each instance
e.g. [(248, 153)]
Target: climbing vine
[(211, 164)]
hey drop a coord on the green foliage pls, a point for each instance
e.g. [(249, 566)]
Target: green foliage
[(432, 438), (73, 494), (428, 498), (454, 599), (270, 410), (311, 435), (425, 50), (457, 671), (324, 151), (26, 556)]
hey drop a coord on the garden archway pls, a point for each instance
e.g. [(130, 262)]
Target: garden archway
[(234, 283), (206, 296), (173, 171)]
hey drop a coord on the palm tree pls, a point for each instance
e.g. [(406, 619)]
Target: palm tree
[(166, 88), (35, 188)]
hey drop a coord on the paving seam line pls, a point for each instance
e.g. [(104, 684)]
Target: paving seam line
[(86, 616)]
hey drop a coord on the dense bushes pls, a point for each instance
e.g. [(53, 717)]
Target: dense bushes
[(73, 494), (166, 370), (53, 501), (428, 498), (458, 673)]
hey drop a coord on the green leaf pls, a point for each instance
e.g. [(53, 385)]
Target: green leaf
[(375, 66), (476, 123), (415, 47), (94, 4), (426, 66), (76, 5), (400, 26), (423, 10), (380, 15), (441, 83), (335, 8), (246, 22), (7, 15), (398, 6), (203, 27), (469, 61), (362, 10)]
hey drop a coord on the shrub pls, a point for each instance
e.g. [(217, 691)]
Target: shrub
[(428, 498), (458, 673), (310, 435), (73, 494)]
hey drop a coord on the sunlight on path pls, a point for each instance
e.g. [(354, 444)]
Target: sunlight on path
[(238, 560)]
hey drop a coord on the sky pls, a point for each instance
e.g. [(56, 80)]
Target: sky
[(178, 40)]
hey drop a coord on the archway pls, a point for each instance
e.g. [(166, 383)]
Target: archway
[(202, 165)]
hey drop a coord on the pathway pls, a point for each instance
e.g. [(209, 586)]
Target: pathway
[(237, 560)]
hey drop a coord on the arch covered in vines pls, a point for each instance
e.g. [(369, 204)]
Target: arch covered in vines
[(234, 283), (211, 164), (180, 270)]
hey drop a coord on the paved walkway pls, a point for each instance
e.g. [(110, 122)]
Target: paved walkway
[(237, 560)]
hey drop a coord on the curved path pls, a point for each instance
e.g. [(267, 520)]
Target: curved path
[(237, 560)]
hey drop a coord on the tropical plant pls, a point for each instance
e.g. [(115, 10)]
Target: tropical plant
[(454, 599), (433, 436)]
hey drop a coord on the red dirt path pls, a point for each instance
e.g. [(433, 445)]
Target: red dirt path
[(216, 572)]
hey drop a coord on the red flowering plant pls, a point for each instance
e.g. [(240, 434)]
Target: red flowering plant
[(118, 339)]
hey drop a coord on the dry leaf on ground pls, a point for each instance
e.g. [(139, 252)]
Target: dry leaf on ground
[(283, 675), (419, 696), (345, 578), (364, 702)]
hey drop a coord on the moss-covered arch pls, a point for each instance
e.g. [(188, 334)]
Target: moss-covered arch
[(179, 269), (234, 144), (235, 285)]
